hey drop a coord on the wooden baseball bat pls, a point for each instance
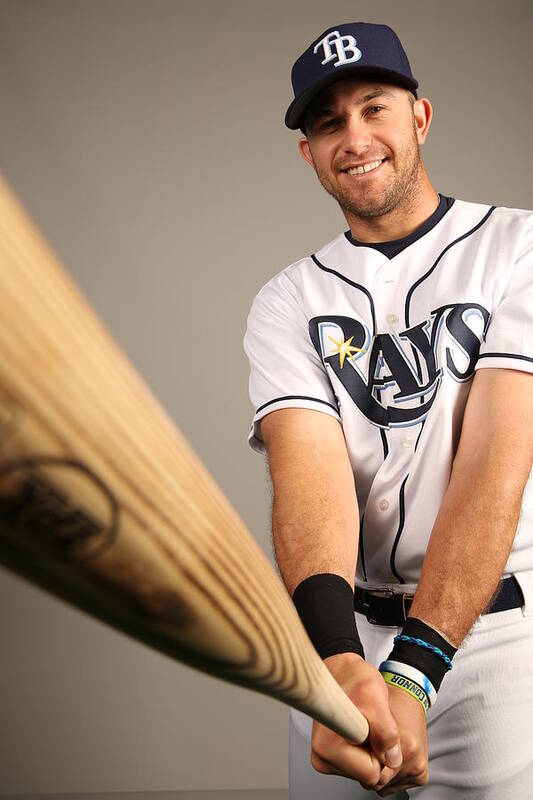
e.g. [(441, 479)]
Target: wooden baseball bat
[(103, 502)]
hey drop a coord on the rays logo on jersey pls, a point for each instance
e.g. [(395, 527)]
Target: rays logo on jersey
[(393, 378)]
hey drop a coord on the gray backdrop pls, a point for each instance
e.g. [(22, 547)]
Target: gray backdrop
[(146, 139)]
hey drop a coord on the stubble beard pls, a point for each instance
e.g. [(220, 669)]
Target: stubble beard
[(400, 192)]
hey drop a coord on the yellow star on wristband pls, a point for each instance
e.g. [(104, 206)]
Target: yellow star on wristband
[(345, 348)]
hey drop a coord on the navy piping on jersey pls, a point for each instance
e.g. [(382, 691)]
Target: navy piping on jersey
[(297, 397), (399, 532), (407, 304), (362, 546), (420, 433), (395, 246), (351, 283), (505, 355), (448, 246), (423, 278), (385, 443), (422, 398)]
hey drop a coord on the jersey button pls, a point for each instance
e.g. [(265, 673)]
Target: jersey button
[(407, 441), (392, 319), (384, 504)]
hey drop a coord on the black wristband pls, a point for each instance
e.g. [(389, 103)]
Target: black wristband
[(430, 663), (324, 603)]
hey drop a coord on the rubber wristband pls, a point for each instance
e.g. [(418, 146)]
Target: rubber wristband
[(408, 686), (426, 659), (414, 674), (324, 603)]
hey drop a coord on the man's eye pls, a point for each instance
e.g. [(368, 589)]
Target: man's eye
[(328, 124), (375, 109)]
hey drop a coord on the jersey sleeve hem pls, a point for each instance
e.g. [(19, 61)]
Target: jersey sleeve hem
[(505, 361), (290, 401)]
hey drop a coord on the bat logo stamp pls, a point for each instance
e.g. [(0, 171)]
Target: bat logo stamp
[(55, 508)]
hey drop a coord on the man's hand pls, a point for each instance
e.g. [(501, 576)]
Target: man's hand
[(411, 721), (333, 755)]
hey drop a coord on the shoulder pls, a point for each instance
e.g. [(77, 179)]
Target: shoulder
[(515, 230), (289, 285), (505, 219), (501, 234)]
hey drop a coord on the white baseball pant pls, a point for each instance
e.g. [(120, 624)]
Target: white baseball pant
[(480, 730)]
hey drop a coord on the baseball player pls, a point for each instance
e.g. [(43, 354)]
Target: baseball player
[(391, 382)]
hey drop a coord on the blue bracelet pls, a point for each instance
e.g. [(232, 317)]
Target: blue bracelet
[(403, 638)]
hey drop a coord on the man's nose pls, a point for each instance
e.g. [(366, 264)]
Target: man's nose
[(357, 138)]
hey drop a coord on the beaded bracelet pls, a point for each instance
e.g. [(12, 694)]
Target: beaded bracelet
[(403, 638)]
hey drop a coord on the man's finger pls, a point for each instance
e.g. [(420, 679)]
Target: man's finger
[(386, 777), (384, 735), (402, 782), (333, 755)]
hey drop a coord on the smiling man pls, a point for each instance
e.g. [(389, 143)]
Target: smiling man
[(370, 162), (393, 395)]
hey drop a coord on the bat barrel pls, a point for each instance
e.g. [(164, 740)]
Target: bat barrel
[(103, 502)]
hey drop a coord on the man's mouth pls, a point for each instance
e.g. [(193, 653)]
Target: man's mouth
[(364, 168)]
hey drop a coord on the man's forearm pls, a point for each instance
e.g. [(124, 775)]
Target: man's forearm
[(315, 516), (315, 523), (470, 544)]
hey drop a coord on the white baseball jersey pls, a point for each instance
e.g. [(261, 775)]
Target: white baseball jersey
[(386, 338)]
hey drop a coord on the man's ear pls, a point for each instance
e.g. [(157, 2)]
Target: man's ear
[(423, 114), (305, 150)]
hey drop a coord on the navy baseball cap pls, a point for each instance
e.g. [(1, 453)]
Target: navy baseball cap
[(361, 49)]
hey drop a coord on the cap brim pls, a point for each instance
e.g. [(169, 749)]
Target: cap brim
[(298, 107)]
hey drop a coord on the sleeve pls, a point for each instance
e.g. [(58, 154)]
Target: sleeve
[(508, 341), (285, 369)]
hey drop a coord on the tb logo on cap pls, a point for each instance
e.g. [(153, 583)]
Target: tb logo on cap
[(342, 44)]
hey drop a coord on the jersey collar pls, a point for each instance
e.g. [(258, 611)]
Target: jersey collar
[(392, 248)]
